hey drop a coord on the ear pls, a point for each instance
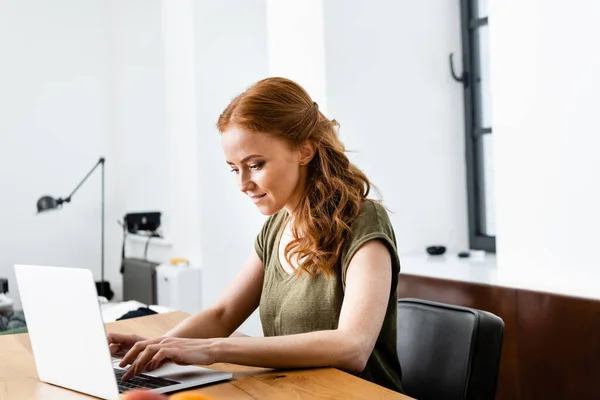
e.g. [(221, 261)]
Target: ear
[(306, 152)]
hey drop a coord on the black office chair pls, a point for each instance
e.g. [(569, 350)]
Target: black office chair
[(448, 352)]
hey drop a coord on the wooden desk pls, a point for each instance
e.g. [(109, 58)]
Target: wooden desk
[(19, 381)]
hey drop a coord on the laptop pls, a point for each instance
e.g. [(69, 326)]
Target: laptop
[(69, 342)]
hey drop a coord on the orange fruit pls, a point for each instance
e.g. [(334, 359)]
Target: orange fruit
[(142, 394), (189, 395)]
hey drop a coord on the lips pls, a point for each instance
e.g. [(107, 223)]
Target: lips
[(257, 198)]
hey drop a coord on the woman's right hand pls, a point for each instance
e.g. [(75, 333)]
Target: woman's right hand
[(121, 343)]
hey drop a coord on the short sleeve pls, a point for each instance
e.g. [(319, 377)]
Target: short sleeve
[(258, 247), (259, 243), (372, 223)]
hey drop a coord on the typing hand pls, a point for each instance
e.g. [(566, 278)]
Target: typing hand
[(149, 355), (121, 343)]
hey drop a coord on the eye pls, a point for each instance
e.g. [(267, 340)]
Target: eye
[(235, 170), (256, 166)]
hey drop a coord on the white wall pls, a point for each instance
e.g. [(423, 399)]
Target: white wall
[(55, 124), (181, 131), (296, 44), (137, 60), (389, 86), (154, 107), (545, 86), (229, 222)]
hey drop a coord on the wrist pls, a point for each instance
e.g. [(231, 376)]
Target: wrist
[(215, 350)]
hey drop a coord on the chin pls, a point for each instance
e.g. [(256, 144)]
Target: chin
[(268, 210)]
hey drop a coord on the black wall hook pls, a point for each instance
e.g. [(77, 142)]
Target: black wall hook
[(464, 77)]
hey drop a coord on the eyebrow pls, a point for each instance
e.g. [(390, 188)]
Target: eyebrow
[(243, 160)]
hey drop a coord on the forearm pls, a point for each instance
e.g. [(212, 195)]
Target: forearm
[(315, 349), (205, 324), (238, 334)]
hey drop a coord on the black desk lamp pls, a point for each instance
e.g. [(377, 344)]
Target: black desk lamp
[(47, 203)]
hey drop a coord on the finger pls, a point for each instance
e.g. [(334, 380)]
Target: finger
[(127, 339), (159, 358), (128, 374), (111, 337), (146, 356), (165, 354), (135, 350), (154, 365), (134, 369), (139, 365), (114, 349), (115, 337)]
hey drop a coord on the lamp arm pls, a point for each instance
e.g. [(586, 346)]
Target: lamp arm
[(68, 198)]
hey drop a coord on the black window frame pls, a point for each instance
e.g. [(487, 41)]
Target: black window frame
[(474, 134)]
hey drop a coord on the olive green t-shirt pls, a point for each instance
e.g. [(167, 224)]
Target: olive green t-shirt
[(292, 304)]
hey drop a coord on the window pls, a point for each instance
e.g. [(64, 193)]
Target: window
[(478, 127)]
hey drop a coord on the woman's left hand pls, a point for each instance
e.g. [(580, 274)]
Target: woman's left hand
[(178, 350)]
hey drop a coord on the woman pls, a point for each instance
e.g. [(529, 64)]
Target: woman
[(325, 268)]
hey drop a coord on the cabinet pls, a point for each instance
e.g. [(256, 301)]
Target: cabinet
[(179, 287)]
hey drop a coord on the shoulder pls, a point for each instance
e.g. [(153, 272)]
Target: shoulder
[(372, 217), (370, 207), (372, 223)]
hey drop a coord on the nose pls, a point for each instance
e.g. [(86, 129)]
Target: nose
[(244, 181)]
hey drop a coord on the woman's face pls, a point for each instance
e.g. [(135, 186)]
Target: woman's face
[(267, 170)]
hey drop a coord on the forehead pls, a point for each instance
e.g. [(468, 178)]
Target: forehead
[(238, 143)]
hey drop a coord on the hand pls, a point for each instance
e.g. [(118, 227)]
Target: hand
[(120, 343), (148, 355)]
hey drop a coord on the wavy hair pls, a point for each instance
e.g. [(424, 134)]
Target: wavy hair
[(335, 187)]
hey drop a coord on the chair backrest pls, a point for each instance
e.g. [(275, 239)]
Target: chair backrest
[(448, 352)]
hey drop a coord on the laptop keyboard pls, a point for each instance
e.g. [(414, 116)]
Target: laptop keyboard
[(141, 381)]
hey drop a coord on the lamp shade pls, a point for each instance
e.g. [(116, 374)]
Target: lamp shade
[(46, 203)]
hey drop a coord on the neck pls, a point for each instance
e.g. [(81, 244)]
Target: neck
[(298, 194)]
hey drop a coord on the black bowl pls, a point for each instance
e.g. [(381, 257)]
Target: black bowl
[(436, 250)]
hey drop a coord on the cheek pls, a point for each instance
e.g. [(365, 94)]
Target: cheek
[(288, 180), (281, 181)]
